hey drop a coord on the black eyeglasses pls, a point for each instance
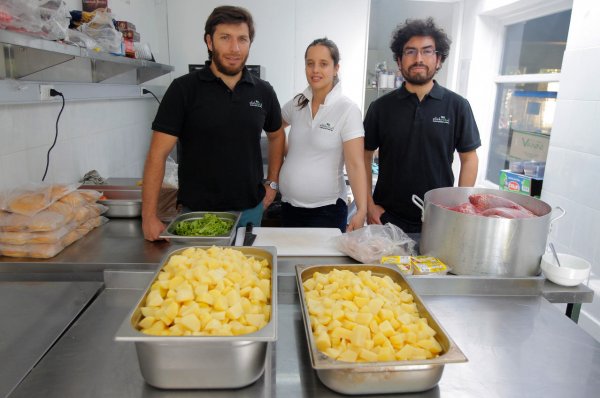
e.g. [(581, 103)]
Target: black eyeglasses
[(425, 52)]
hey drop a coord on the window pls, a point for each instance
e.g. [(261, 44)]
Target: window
[(527, 88)]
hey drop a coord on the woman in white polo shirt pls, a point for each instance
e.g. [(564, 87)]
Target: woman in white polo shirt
[(326, 133)]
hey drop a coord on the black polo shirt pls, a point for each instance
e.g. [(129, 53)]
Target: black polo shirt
[(219, 130), (416, 142)]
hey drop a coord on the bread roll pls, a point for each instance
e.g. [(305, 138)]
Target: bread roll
[(74, 199), (29, 203), (90, 195)]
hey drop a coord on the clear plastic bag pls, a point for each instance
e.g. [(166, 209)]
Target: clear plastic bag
[(370, 243), (171, 179), (43, 221), (81, 39), (32, 198), (48, 19), (102, 29)]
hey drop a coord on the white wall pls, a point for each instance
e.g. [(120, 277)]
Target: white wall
[(573, 163), (386, 15), (284, 28), (109, 136)]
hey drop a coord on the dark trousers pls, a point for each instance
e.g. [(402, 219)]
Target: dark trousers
[(406, 226), (330, 216)]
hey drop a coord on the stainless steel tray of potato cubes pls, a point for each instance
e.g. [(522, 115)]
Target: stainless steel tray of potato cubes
[(377, 377), (202, 362), (223, 240)]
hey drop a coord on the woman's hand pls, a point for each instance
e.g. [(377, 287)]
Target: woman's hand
[(356, 222), (269, 196)]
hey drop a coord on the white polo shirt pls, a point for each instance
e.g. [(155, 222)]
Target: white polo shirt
[(312, 174)]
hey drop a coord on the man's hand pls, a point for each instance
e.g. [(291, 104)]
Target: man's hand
[(374, 213), (269, 196), (152, 227)]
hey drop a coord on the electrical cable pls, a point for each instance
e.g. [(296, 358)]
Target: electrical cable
[(146, 91), (54, 93)]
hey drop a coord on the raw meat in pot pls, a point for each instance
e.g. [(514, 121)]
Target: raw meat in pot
[(488, 201), (466, 208), (505, 212)]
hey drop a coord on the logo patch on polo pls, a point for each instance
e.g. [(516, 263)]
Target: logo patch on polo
[(441, 119), (326, 126), (256, 104)]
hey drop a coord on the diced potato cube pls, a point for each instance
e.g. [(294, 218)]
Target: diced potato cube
[(257, 320), (359, 335), (367, 355), (235, 311), (375, 305), (386, 328), (348, 356), (431, 345), (397, 340), (147, 322), (220, 303), (364, 318), (154, 299), (323, 342), (190, 322), (213, 324), (386, 354), (342, 333)]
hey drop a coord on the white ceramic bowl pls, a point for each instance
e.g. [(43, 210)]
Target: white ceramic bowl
[(573, 270)]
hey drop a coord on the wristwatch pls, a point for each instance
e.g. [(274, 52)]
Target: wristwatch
[(272, 184)]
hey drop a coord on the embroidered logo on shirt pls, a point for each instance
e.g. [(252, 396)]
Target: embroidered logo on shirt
[(326, 126), (441, 119), (256, 104)]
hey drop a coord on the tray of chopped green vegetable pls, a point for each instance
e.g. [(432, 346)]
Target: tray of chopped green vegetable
[(206, 227)]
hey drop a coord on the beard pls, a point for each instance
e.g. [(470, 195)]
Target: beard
[(226, 70), (420, 78)]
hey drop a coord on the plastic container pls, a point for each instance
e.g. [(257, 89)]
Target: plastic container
[(534, 169), (516, 167), (533, 110)]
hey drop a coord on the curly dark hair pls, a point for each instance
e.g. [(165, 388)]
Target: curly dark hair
[(228, 15), (420, 27)]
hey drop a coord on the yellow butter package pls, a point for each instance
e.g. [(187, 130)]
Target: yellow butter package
[(402, 262), (424, 265)]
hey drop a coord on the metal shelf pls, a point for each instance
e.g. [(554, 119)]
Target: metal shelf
[(28, 58)]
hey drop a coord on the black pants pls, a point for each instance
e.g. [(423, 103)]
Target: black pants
[(330, 216), (406, 226)]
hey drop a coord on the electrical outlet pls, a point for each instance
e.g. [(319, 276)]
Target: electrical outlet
[(45, 92), (142, 90)]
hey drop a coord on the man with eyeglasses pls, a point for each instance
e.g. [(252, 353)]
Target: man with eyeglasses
[(417, 128)]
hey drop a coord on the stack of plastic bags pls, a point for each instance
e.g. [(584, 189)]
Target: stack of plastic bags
[(40, 220)]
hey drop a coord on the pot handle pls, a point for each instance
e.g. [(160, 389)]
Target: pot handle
[(557, 217), (420, 204)]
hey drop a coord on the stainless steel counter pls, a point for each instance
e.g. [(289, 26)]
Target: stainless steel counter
[(33, 316), (517, 346), (119, 245)]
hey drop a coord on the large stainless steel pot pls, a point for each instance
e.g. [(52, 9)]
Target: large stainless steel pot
[(477, 245)]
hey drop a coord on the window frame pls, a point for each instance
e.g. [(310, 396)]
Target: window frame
[(506, 19)]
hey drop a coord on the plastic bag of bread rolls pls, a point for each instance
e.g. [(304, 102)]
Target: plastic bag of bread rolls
[(32, 198), (48, 250), (90, 195), (46, 220)]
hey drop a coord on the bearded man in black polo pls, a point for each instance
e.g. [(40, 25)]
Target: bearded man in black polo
[(417, 128), (218, 114)]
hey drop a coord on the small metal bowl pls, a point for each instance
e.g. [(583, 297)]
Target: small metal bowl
[(225, 240)]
